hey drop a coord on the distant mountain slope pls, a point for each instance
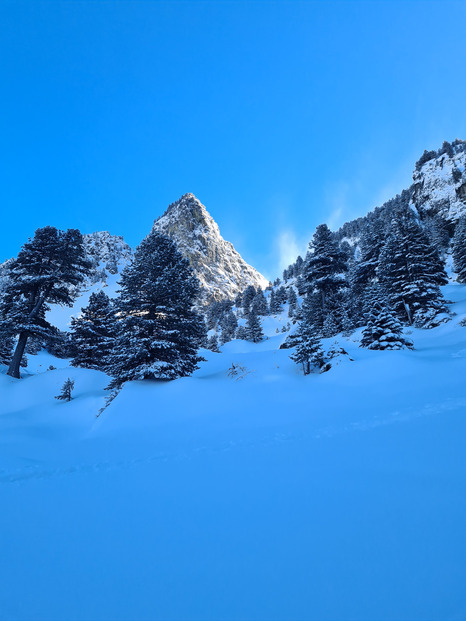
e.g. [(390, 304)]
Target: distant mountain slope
[(221, 270)]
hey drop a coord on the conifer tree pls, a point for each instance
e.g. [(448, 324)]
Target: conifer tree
[(212, 343), (275, 303), (66, 391), (93, 333), (259, 303), (228, 323), (6, 349), (248, 296), (242, 333), (383, 331), (323, 273), (159, 332), (459, 249), (411, 271), (48, 270), (254, 328), (308, 351)]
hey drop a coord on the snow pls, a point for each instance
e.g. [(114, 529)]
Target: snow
[(274, 496)]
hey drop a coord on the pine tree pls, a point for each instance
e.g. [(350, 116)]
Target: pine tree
[(49, 269), (383, 331), (212, 343), (459, 249), (248, 296), (254, 328), (323, 272), (6, 349), (292, 301), (228, 323), (308, 351), (242, 333), (259, 304), (93, 333), (66, 391), (159, 332), (411, 271), (275, 303)]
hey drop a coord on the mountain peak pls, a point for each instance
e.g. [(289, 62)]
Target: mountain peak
[(221, 270)]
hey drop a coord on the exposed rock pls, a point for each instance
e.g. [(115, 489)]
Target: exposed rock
[(221, 270), (108, 254), (440, 182)]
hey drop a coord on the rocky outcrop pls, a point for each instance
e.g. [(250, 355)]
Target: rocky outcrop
[(221, 270), (440, 182), (107, 253)]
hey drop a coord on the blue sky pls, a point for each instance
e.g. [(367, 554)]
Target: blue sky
[(277, 115)]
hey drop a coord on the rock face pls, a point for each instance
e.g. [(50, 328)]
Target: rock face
[(440, 182), (221, 270), (108, 253)]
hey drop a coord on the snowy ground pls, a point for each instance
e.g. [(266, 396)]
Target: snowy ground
[(335, 496)]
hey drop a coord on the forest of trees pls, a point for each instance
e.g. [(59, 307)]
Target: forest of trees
[(382, 273)]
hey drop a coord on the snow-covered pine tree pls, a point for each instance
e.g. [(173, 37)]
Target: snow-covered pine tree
[(6, 349), (228, 323), (383, 331), (371, 241), (308, 351), (275, 303), (93, 333), (159, 331), (241, 333), (293, 302), (248, 296), (259, 303), (323, 273), (49, 269), (411, 271), (459, 249), (254, 330), (212, 343), (66, 391)]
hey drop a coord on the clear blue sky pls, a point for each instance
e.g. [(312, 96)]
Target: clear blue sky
[(277, 115)]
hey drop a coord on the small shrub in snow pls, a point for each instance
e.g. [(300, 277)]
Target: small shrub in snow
[(238, 371), (66, 391)]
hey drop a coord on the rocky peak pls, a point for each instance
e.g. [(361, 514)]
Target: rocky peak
[(221, 270)]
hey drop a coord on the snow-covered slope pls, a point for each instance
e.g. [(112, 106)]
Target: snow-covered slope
[(275, 496), (222, 272)]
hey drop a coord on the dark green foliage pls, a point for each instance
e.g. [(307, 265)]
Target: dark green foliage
[(308, 351), (275, 303), (66, 391), (383, 331), (254, 328), (411, 271), (228, 324), (48, 270), (323, 275), (259, 304), (242, 333), (93, 333), (159, 332), (248, 296), (459, 249), (6, 349), (212, 343)]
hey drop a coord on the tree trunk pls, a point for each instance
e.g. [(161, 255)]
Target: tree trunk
[(13, 369), (408, 312)]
